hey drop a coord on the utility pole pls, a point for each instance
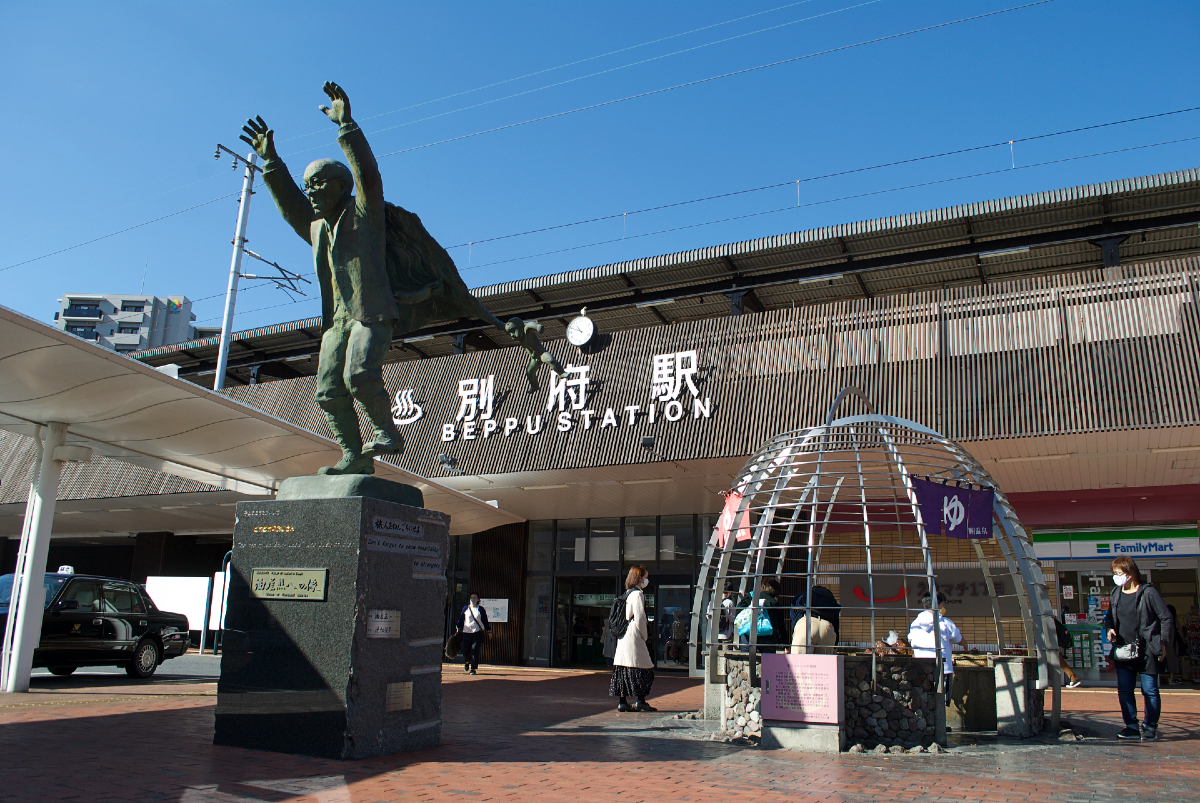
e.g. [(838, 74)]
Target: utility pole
[(235, 265)]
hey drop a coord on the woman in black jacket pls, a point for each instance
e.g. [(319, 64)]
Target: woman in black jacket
[(1139, 627)]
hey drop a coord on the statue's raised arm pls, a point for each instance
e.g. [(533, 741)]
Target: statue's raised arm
[(381, 275)]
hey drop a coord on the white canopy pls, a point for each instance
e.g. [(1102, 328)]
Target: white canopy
[(128, 411)]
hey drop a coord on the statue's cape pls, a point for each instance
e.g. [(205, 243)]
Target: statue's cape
[(414, 260)]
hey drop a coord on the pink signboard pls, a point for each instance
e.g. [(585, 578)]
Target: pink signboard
[(802, 688)]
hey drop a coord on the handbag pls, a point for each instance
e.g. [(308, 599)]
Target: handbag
[(1126, 652), (743, 623), (453, 646)]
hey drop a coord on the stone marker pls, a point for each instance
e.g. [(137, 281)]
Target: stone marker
[(333, 634)]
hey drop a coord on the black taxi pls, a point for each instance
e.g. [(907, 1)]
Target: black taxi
[(101, 621)]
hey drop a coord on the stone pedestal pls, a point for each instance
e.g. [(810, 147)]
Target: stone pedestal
[(333, 634), (1019, 703)]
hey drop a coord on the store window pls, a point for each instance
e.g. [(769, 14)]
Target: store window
[(572, 545), (639, 540), (541, 546), (604, 544)]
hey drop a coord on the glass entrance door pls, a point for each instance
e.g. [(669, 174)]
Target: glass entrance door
[(674, 606), (581, 605)]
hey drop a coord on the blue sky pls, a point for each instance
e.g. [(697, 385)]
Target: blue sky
[(114, 111)]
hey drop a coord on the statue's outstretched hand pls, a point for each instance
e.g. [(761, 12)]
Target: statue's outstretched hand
[(261, 138), (339, 109)]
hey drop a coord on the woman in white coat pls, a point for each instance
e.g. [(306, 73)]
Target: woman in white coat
[(633, 671)]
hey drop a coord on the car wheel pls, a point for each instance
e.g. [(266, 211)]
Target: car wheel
[(144, 661), (62, 670)]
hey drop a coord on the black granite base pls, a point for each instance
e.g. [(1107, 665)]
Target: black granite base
[(338, 652)]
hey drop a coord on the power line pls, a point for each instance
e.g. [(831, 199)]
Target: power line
[(793, 207), (115, 233), (593, 106), (601, 72), (260, 309), (699, 81), (835, 200), (837, 174), (564, 66)]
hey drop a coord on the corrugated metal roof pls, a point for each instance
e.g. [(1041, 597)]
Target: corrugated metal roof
[(894, 236), (892, 223)]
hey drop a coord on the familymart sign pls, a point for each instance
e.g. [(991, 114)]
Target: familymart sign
[(1081, 544)]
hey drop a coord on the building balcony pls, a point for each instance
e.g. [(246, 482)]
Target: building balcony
[(91, 313), (85, 334)]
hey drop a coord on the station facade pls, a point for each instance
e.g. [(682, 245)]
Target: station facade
[(1056, 337)]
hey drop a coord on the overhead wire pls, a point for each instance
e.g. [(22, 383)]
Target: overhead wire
[(790, 207), (604, 72), (837, 174), (587, 108), (699, 81), (564, 66), (793, 207)]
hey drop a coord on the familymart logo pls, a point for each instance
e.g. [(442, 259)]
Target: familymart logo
[(1136, 548)]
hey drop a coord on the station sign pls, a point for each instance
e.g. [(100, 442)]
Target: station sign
[(673, 393)]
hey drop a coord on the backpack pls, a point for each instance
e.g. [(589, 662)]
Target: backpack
[(1065, 640), (617, 623)]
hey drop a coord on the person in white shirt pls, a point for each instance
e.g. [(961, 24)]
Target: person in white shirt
[(473, 624), (923, 641)]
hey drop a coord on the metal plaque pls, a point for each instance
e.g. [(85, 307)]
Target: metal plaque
[(399, 697), (383, 623), (306, 584)]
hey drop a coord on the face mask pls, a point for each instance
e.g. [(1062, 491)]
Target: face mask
[(644, 582), (474, 603), (1120, 579)]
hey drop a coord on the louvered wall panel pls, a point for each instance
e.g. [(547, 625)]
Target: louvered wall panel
[(1046, 355)]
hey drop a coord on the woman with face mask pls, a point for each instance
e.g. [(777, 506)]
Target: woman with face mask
[(473, 624), (633, 671), (1139, 627)]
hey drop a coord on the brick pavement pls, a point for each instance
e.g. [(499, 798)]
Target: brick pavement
[(543, 735)]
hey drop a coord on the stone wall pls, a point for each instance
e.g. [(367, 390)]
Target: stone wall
[(740, 715), (898, 709)]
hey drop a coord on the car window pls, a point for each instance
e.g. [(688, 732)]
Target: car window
[(86, 593), (52, 583), (121, 598), (150, 606)]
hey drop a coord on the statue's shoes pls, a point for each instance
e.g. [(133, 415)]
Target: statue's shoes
[(384, 443), (357, 465)]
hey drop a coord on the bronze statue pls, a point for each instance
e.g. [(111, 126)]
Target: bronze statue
[(380, 272), (527, 335)]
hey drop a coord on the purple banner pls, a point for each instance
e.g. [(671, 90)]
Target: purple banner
[(953, 511)]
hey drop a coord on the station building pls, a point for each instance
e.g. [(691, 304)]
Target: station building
[(1055, 336)]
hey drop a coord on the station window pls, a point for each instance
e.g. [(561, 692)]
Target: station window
[(541, 546), (639, 540), (604, 544), (572, 545)]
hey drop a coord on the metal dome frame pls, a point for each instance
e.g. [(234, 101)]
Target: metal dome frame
[(794, 483)]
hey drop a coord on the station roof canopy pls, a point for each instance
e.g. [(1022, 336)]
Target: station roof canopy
[(128, 411), (1151, 217)]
